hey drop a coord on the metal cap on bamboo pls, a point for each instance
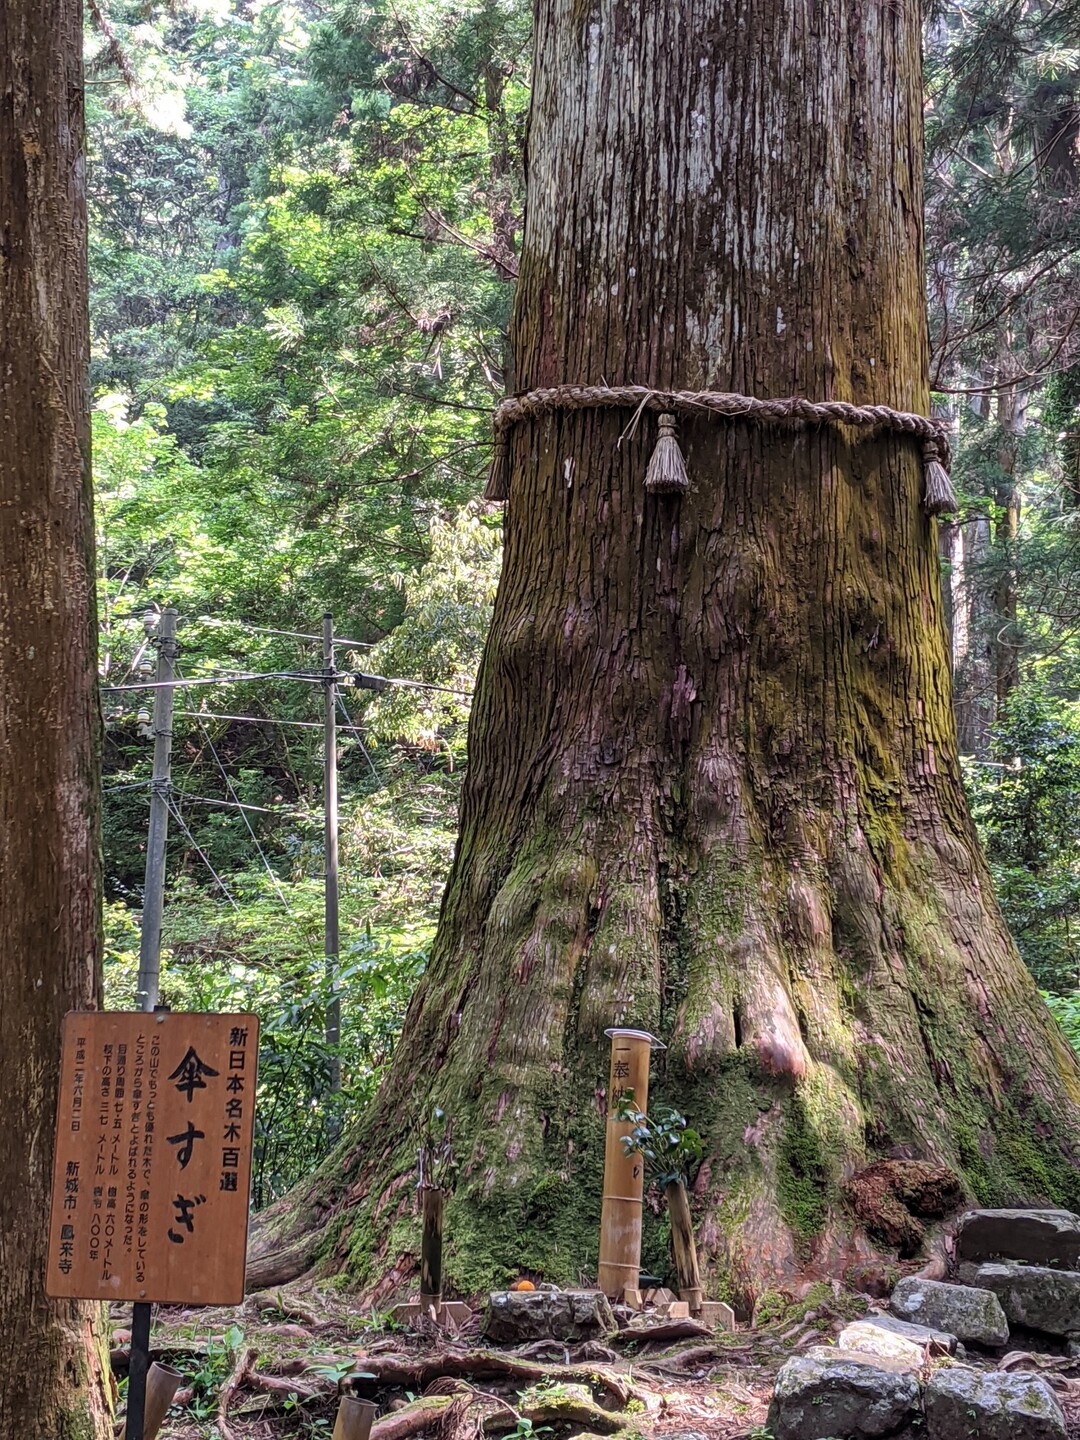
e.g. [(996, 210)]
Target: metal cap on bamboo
[(624, 1180)]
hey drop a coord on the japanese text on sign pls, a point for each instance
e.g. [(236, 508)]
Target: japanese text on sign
[(153, 1157)]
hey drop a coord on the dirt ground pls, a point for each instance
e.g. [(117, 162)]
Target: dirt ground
[(274, 1368)]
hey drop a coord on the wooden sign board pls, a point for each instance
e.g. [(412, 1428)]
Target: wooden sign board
[(153, 1157)]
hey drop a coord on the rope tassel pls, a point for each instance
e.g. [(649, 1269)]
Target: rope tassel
[(498, 481), (939, 497), (666, 474)]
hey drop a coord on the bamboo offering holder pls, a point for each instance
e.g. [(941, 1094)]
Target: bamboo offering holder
[(682, 1237), (354, 1419), (162, 1382), (624, 1175)]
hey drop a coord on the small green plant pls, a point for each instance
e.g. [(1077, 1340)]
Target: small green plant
[(667, 1145)]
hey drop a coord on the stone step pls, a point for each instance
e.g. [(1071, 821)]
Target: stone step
[(888, 1337), (988, 1404), (1035, 1296), (1041, 1237), (974, 1316), (826, 1392)]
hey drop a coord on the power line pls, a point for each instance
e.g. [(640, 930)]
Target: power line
[(247, 822), (313, 677), (350, 726), (363, 681), (237, 804), (252, 719), (135, 785), (201, 852), (295, 634)]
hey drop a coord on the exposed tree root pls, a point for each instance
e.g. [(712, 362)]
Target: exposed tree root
[(467, 1415), (244, 1362), (417, 1372), (283, 1304)]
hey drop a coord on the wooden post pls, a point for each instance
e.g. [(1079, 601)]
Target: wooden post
[(431, 1207), (354, 1419), (624, 1180), (162, 1382), (682, 1237)]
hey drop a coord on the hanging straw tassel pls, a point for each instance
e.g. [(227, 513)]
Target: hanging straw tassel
[(666, 474), (498, 481), (939, 497)]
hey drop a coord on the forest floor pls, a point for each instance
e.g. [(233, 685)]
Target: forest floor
[(273, 1367)]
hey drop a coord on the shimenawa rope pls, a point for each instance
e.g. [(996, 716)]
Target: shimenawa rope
[(666, 474)]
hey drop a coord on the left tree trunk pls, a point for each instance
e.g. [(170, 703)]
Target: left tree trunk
[(52, 1380)]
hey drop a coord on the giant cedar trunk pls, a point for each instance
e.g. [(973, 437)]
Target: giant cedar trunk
[(51, 1380), (713, 785)]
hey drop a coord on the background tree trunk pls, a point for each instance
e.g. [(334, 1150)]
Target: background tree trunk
[(713, 786), (51, 1362)]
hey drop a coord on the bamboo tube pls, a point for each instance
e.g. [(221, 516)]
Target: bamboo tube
[(354, 1419), (162, 1382), (624, 1180), (682, 1238), (431, 1205)]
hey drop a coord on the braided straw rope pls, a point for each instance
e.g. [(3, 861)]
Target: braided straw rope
[(694, 403)]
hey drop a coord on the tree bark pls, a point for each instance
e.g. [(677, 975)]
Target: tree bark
[(51, 1363), (713, 787)]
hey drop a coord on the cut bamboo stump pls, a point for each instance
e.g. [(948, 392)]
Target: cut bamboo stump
[(431, 1209), (162, 1382), (354, 1419), (624, 1178), (682, 1237)]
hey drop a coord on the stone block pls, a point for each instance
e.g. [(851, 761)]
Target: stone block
[(825, 1393), (972, 1315), (515, 1316), (1035, 1296), (990, 1405), (1040, 1237)]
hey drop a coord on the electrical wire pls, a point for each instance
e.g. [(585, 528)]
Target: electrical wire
[(253, 719), (135, 785), (173, 809), (237, 804), (296, 634), (243, 811), (315, 677), (356, 733)]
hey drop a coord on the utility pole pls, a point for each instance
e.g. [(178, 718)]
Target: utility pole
[(160, 791), (330, 850)]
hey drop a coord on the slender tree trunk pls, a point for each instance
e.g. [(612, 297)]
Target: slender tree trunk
[(51, 1362), (713, 786), (1006, 637)]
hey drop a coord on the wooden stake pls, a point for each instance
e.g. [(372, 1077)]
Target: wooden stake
[(431, 1206), (354, 1418), (624, 1180), (162, 1382), (682, 1236)]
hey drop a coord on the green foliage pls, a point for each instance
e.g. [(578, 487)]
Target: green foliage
[(1025, 799), (667, 1145)]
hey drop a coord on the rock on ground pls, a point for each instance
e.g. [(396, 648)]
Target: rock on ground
[(895, 1339), (1035, 1296), (827, 1392), (990, 1405), (514, 1316), (1041, 1237), (971, 1315)]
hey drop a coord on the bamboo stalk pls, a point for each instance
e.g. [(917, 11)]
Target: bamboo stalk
[(682, 1237), (624, 1180), (162, 1382), (431, 1205), (354, 1419)]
